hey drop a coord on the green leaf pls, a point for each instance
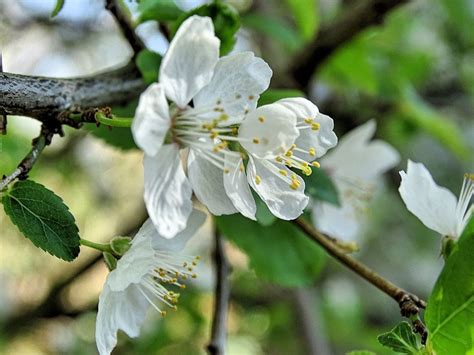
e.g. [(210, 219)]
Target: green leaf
[(450, 313), (361, 352), (275, 29), (279, 253), (263, 215), (43, 218), (226, 22), (400, 339), (148, 63), (272, 95), (320, 186), (306, 15), (57, 8), (158, 10)]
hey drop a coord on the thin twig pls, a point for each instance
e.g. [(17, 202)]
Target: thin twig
[(3, 117), (21, 172), (362, 14), (217, 343), (409, 304), (127, 29)]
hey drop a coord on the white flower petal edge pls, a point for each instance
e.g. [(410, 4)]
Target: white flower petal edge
[(237, 187), (167, 191), (238, 81), (436, 206), (137, 283), (340, 222), (276, 189), (123, 310), (152, 120), (190, 60), (207, 181)]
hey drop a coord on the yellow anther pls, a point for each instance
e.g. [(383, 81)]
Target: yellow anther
[(213, 134), (315, 126), (246, 111), (218, 102), (258, 180), (279, 159), (251, 97), (223, 117), (184, 277), (295, 184), (163, 314), (293, 146), (235, 131), (256, 141), (312, 152), (289, 153), (175, 308), (182, 287), (238, 96), (226, 171), (283, 172), (190, 269), (194, 276), (469, 176), (307, 171), (185, 264), (316, 164), (294, 177), (261, 119), (197, 257), (308, 120)]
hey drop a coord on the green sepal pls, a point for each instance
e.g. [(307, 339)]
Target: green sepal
[(110, 260), (120, 245)]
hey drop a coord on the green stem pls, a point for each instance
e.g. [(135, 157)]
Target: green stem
[(97, 246), (114, 121)]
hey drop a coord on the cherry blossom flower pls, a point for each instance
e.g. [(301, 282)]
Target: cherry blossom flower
[(222, 91), (434, 205), (290, 133), (355, 165), (141, 279)]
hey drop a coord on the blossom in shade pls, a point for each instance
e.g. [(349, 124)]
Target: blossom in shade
[(355, 165)]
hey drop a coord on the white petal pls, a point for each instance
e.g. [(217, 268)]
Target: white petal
[(195, 221), (123, 310), (152, 120), (434, 205), (281, 199), (322, 139), (268, 131), (237, 82), (338, 222), (167, 191), (237, 187), (190, 60), (358, 157), (207, 181), (135, 264)]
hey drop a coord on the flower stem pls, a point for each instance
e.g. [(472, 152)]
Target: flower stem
[(96, 246), (114, 121)]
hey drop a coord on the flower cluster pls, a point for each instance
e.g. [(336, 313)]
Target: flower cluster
[(229, 144)]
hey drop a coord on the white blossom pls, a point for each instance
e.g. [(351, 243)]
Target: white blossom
[(141, 279), (355, 166), (222, 91), (290, 133), (436, 206)]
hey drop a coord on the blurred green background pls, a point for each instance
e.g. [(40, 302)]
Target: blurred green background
[(414, 74)]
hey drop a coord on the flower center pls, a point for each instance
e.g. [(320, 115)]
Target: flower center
[(170, 269)]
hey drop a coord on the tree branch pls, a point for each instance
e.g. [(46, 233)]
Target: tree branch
[(409, 304), (362, 14), (127, 29), (46, 98), (39, 143), (221, 304)]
